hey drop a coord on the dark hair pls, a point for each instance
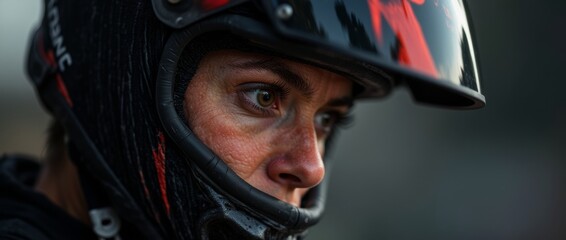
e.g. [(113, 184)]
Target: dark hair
[(55, 145)]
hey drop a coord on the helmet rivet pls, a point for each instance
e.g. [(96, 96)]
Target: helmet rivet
[(174, 1), (284, 11)]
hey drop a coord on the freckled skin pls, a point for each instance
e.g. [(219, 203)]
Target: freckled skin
[(280, 154)]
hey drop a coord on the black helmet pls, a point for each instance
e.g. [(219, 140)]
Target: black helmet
[(110, 72)]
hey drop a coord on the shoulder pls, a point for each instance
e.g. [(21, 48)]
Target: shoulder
[(12, 229), (27, 214), (17, 172)]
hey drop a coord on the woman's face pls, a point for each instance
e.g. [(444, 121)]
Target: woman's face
[(267, 118)]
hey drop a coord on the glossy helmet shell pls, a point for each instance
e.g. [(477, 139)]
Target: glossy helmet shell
[(425, 44)]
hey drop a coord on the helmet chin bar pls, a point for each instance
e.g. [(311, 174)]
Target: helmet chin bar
[(229, 221), (239, 205)]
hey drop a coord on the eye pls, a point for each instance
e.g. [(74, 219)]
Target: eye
[(326, 122), (265, 98), (262, 99)]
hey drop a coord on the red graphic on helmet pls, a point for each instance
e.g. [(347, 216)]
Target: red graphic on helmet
[(159, 160), (413, 49), (213, 4)]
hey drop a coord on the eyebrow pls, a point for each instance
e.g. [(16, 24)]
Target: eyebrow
[(282, 71), (347, 101)]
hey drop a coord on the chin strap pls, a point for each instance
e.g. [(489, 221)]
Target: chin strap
[(105, 221)]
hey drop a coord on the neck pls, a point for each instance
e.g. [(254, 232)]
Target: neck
[(60, 183)]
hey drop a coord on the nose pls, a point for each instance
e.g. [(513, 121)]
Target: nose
[(301, 166)]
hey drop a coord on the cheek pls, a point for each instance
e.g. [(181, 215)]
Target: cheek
[(234, 147), (212, 119)]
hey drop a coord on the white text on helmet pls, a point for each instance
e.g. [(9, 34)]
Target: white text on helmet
[(63, 57)]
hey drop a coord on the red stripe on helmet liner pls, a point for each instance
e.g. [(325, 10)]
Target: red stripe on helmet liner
[(208, 5), (413, 49), (159, 160), (147, 195), (48, 56), (63, 89)]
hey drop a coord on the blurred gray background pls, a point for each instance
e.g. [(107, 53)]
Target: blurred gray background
[(405, 171)]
